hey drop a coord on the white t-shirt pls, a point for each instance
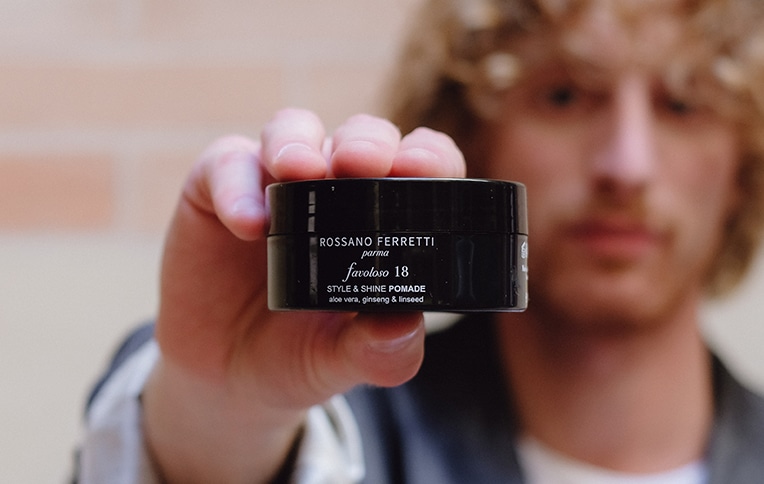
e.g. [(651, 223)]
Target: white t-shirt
[(542, 465)]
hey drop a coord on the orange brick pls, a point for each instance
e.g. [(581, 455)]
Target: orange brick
[(56, 192), (154, 187), (138, 96), (287, 24)]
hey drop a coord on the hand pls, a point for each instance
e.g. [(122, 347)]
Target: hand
[(234, 375)]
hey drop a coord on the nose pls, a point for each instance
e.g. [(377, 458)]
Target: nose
[(627, 158)]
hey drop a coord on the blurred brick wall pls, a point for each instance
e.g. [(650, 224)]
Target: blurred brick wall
[(105, 103)]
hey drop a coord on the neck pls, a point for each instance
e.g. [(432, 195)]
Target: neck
[(632, 401)]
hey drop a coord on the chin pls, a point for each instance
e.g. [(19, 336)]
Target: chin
[(611, 320), (604, 308)]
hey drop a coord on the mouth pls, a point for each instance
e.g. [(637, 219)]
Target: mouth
[(615, 239)]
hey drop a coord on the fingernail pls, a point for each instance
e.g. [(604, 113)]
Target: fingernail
[(396, 344), (245, 207), (293, 149)]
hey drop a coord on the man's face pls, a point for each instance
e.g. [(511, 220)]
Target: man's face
[(628, 186)]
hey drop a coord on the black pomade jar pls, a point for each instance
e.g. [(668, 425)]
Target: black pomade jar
[(398, 244)]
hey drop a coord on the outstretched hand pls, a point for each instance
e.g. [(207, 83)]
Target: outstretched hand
[(231, 366)]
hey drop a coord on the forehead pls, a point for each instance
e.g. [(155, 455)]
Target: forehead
[(617, 35)]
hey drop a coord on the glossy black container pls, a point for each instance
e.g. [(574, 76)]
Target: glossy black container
[(398, 244)]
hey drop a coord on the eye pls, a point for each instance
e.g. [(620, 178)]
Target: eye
[(557, 95), (679, 107), (561, 96)]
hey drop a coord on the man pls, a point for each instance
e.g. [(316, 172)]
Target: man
[(634, 126)]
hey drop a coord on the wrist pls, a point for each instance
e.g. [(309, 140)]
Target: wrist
[(198, 430)]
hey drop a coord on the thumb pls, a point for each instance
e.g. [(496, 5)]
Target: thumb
[(384, 349)]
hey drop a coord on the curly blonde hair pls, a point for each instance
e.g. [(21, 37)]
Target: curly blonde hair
[(459, 55)]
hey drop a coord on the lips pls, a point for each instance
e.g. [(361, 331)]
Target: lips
[(620, 239)]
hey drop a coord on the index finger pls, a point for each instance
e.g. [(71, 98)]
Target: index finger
[(292, 145), (428, 153)]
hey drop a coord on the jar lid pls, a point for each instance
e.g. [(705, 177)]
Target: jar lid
[(398, 204)]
